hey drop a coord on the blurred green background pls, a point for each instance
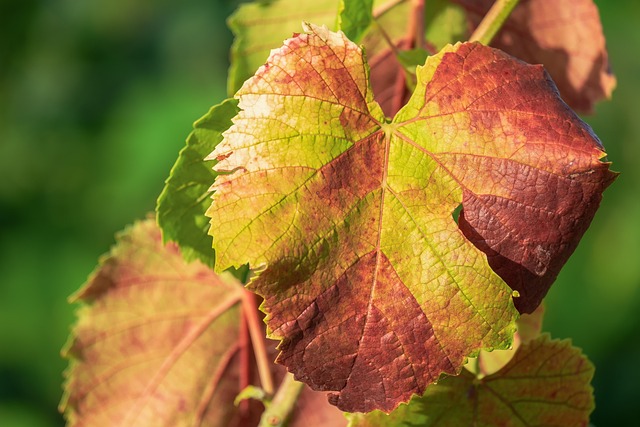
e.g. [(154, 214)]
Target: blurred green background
[(96, 99)]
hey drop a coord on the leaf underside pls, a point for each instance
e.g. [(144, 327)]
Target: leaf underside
[(547, 383)]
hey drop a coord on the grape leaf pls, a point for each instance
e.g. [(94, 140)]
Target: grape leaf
[(565, 36), (261, 26), (445, 23), (367, 279), (355, 17), (185, 197), (547, 383), (157, 342)]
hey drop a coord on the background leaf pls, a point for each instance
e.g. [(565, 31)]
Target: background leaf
[(547, 383), (156, 344), (565, 36), (445, 23), (355, 18), (185, 197), (259, 27), (387, 73)]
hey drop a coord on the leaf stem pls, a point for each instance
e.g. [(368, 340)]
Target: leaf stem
[(417, 23), (493, 21), (283, 403), (250, 309), (245, 362)]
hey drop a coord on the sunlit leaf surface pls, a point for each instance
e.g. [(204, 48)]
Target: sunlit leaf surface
[(368, 280)]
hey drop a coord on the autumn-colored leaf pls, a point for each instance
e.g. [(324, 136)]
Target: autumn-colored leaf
[(547, 383), (184, 199), (158, 342), (367, 279), (565, 36), (155, 346)]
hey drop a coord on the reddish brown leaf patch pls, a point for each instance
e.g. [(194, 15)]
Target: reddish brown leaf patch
[(531, 192), (565, 36)]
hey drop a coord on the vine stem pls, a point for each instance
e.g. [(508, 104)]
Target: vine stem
[(250, 309), (418, 23), (493, 21), (283, 403), (245, 362)]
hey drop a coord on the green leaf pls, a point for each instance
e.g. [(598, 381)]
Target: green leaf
[(259, 27), (367, 280), (355, 18), (445, 23), (156, 343), (185, 197), (412, 58), (547, 383)]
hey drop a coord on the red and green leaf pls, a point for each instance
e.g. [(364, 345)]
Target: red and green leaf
[(157, 342), (547, 383), (368, 281)]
